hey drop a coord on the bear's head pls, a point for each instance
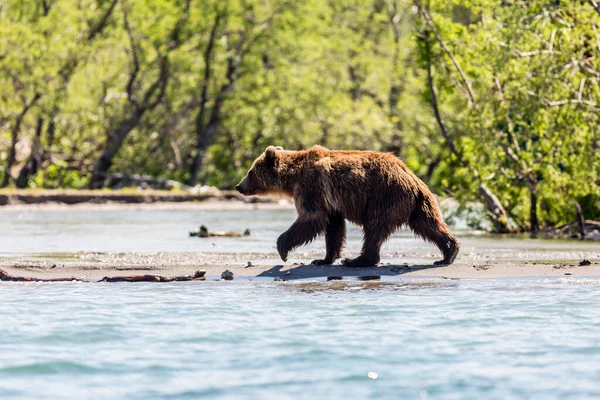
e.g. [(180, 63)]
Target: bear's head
[(262, 177)]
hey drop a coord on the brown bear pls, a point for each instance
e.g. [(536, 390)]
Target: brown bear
[(371, 189)]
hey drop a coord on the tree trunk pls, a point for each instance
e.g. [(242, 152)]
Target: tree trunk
[(203, 142), (497, 213), (533, 217), (580, 221), (35, 158), (12, 156), (113, 144), (202, 130), (12, 152)]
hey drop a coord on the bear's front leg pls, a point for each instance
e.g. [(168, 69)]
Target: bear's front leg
[(335, 238), (302, 232), (375, 233)]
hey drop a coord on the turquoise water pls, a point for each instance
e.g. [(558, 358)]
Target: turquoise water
[(436, 339)]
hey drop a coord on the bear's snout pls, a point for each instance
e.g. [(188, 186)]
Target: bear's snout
[(242, 188)]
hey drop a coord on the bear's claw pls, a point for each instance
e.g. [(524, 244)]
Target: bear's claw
[(322, 262), (283, 253)]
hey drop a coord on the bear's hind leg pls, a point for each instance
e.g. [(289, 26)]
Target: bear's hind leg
[(449, 246), (335, 238), (432, 228), (375, 233)]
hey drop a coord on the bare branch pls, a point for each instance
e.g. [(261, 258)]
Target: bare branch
[(207, 70), (176, 34), (103, 21), (588, 67), (571, 101), (134, 56), (552, 36), (46, 6), (463, 76), (395, 87), (436, 110), (259, 31), (159, 84), (595, 4), (520, 53), (581, 85), (557, 103)]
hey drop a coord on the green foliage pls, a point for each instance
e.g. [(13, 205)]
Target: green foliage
[(533, 125), (57, 176), (344, 74)]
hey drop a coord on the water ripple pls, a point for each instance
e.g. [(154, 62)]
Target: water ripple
[(436, 339)]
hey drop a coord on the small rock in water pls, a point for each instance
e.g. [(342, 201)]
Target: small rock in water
[(227, 275), (585, 262), (288, 273), (369, 277), (277, 279), (335, 278), (200, 274)]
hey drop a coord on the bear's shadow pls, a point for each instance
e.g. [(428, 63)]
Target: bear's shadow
[(308, 271)]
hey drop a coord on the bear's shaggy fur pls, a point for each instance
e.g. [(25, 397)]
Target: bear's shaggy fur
[(373, 190)]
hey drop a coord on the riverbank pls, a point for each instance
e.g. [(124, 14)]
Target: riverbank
[(24, 197), (94, 266)]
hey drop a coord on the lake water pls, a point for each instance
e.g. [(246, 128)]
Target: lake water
[(420, 339), (436, 339)]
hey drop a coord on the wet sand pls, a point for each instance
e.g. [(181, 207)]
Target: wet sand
[(95, 266)]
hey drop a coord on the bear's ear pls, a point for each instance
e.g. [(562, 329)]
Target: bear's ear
[(270, 154), (278, 148)]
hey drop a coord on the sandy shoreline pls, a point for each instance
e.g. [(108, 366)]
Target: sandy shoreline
[(95, 266)]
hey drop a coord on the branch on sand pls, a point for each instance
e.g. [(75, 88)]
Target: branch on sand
[(6, 277), (198, 276)]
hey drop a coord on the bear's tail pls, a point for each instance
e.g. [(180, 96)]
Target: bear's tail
[(426, 221)]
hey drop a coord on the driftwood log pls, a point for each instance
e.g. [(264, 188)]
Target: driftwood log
[(580, 229), (6, 277), (198, 276), (203, 232)]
